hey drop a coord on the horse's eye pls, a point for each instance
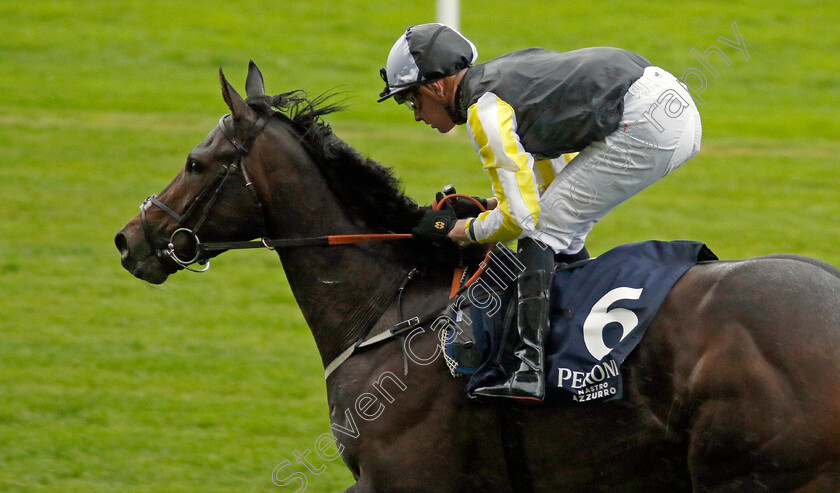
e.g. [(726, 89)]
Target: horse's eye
[(194, 167)]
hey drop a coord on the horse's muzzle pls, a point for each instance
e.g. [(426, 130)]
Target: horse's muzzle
[(139, 259)]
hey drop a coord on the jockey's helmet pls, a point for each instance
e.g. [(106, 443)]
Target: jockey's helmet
[(422, 54)]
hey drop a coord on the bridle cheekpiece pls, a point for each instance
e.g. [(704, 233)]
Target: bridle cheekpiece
[(211, 190)]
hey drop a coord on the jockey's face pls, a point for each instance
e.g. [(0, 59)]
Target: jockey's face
[(429, 107)]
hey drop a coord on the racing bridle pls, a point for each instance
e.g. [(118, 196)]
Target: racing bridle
[(208, 197), (210, 194)]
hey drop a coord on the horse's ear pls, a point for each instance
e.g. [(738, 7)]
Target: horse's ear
[(254, 85), (237, 105)]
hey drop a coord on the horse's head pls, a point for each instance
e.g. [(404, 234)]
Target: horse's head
[(215, 196), (272, 168)]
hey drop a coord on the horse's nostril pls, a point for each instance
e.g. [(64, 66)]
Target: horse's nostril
[(122, 243)]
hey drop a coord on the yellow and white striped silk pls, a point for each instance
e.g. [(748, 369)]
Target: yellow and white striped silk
[(546, 169), (491, 125)]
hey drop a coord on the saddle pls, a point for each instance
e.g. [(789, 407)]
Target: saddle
[(600, 309)]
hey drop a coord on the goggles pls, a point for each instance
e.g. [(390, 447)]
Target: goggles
[(407, 98)]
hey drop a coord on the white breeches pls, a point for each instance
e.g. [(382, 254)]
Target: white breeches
[(659, 131)]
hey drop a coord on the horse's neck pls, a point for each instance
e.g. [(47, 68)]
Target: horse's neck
[(340, 289)]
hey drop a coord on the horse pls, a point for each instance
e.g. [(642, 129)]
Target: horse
[(735, 387)]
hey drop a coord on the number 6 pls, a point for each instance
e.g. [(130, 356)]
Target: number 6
[(601, 315)]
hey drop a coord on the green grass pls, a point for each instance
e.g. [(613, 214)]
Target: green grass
[(208, 382)]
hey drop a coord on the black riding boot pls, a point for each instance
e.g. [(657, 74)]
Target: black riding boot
[(527, 383)]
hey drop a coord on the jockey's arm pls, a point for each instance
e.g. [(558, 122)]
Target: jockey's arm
[(459, 232), (491, 126)]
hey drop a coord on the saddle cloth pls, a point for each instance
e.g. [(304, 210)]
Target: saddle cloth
[(600, 309)]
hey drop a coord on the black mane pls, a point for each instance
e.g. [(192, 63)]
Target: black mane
[(368, 189)]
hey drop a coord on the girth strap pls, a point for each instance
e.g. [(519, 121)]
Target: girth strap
[(384, 295)]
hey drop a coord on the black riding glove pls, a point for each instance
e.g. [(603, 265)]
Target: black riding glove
[(435, 225)]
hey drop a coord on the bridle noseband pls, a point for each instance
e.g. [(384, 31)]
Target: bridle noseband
[(211, 190)]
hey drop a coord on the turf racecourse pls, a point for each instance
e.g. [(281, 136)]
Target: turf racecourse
[(209, 382)]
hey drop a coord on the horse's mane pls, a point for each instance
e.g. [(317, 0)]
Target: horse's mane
[(369, 189)]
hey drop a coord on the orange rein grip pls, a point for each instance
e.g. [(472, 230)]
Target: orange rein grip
[(352, 239)]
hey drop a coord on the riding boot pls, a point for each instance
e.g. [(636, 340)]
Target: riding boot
[(527, 382)]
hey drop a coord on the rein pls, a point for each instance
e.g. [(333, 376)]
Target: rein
[(333, 240), (330, 240)]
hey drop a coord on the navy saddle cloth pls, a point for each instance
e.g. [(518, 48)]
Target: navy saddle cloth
[(600, 311)]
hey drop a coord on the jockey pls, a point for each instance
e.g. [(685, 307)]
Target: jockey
[(564, 137)]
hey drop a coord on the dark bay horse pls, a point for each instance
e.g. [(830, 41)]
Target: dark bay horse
[(736, 386)]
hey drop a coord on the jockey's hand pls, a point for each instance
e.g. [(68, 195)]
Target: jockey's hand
[(435, 225)]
